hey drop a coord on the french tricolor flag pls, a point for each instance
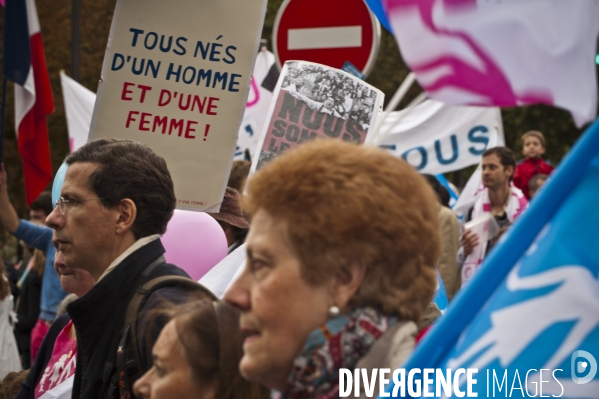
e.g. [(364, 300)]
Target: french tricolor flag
[(25, 65)]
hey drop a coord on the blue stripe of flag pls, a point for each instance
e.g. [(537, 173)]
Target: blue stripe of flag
[(17, 47)]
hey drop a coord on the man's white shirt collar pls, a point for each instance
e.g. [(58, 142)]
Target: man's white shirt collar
[(136, 245)]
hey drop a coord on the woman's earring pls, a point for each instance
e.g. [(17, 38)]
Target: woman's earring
[(333, 311)]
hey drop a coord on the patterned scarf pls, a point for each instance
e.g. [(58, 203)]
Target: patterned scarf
[(516, 204), (340, 343)]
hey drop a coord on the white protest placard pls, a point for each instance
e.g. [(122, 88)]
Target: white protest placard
[(176, 77), (222, 276), (438, 138), (485, 227)]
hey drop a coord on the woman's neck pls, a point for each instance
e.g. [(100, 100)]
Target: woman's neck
[(72, 333)]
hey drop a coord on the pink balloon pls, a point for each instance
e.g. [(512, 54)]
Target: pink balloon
[(195, 242)]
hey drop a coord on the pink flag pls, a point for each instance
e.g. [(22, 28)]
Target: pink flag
[(508, 53)]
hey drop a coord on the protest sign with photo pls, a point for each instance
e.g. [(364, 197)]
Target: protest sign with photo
[(313, 100), (176, 77), (438, 138)]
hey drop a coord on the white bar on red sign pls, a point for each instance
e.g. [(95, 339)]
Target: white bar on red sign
[(314, 38)]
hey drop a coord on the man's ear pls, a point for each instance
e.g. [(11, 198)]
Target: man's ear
[(347, 282), (127, 214), (510, 170)]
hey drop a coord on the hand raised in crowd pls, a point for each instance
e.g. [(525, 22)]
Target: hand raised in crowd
[(469, 241), (3, 178)]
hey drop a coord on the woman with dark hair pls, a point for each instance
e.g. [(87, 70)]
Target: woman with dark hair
[(449, 227), (53, 368), (28, 305), (9, 354), (10, 385), (340, 267), (197, 355)]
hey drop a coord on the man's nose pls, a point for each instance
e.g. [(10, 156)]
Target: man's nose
[(55, 219)]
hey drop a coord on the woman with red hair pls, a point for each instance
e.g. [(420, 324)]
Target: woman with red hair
[(341, 266)]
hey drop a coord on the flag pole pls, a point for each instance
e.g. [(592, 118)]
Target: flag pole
[(2, 117), (394, 102), (435, 347)]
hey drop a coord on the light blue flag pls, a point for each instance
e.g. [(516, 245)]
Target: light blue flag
[(545, 311), (440, 298), (453, 197), (529, 319), (379, 11)]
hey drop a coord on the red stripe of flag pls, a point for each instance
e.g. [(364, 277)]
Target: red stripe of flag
[(33, 130)]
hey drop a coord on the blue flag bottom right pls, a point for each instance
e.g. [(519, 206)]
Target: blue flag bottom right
[(538, 334)]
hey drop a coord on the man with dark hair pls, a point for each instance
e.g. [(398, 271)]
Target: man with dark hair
[(239, 174), (500, 198), (506, 158), (40, 208), (116, 201), (442, 193), (449, 228), (35, 234), (231, 219)]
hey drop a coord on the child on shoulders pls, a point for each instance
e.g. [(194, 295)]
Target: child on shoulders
[(533, 148)]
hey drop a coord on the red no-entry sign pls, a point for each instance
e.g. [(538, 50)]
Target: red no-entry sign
[(329, 32)]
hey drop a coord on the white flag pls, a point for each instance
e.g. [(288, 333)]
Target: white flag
[(79, 106), (256, 109), (438, 138)]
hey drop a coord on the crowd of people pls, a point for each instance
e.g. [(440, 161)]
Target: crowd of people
[(331, 92), (344, 244)]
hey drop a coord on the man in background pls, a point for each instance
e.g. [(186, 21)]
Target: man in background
[(449, 228), (35, 234), (499, 198), (116, 201), (231, 219)]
